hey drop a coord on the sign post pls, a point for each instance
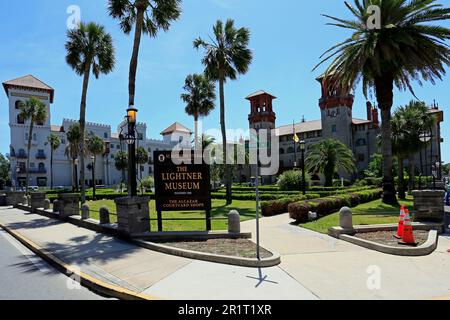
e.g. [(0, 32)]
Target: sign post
[(255, 145), (184, 187)]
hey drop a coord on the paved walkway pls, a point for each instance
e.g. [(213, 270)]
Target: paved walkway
[(149, 272), (314, 266), (334, 269)]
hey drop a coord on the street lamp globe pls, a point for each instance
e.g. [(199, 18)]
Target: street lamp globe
[(129, 139), (302, 145), (425, 136), (132, 115)]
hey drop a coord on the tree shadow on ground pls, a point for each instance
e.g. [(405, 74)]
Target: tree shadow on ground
[(99, 248)]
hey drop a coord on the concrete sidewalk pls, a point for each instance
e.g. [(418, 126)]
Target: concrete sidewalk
[(334, 269), (151, 273), (314, 266)]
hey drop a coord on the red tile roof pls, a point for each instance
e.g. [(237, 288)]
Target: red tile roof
[(29, 82), (176, 127)]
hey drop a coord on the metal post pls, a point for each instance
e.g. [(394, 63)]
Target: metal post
[(258, 255), (303, 173), (132, 183), (295, 145)]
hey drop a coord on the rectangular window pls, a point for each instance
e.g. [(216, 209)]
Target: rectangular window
[(334, 128), (361, 157)]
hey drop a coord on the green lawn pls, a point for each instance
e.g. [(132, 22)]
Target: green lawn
[(374, 212), (247, 209)]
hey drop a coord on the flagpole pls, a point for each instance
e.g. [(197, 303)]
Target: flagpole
[(295, 144)]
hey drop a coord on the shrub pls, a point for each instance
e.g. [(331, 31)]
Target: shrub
[(292, 180), (326, 206), (148, 183), (280, 206)]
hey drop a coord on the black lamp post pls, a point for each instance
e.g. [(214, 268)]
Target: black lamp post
[(130, 139), (302, 149), (76, 176)]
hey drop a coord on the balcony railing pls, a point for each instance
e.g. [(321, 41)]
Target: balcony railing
[(33, 171), (41, 156), (38, 170), (22, 156)]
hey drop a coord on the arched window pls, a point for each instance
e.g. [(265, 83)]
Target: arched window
[(360, 142), (18, 103), (281, 151), (291, 150), (20, 119)]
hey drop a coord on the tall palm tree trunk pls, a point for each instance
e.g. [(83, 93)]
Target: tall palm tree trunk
[(135, 54), (74, 176), (93, 178), (224, 140), (30, 136), (401, 178), (83, 129), (197, 145), (412, 174), (385, 95)]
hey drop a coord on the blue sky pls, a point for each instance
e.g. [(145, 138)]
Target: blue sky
[(288, 37)]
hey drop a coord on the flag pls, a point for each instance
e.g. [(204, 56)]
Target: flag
[(296, 138)]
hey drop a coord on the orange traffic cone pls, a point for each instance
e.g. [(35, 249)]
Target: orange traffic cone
[(400, 223), (408, 236)]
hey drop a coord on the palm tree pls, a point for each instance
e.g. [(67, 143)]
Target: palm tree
[(400, 150), (121, 164), (89, 48), (199, 99), (54, 142), (95, 147), (207, 141), (408, 123), (225, 58), (73, 151), (328, 157), (142, 158), (147, 16), (404, 49), (35, 111)]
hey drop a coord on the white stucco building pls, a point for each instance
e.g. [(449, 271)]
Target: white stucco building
[(28, 86)]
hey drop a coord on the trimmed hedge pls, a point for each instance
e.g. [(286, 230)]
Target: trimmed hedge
[(103, 196), (326, 206), (280, 206), (263, 196)]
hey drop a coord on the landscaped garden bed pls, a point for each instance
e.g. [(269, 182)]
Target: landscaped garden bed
[(242, 248), (387, 237), (371, 213)]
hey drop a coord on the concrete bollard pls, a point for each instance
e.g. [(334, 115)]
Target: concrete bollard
[(346, 218), (104, 215), (234, 222), (46, 204), (56, 205), (29, 200), (24, 201), (85, 211)]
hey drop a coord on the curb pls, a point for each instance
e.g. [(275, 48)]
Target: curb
[(85, 279), (427, 248), (229, 260), (195, 255)]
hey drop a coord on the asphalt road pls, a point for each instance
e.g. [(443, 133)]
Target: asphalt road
[(25, 276)]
